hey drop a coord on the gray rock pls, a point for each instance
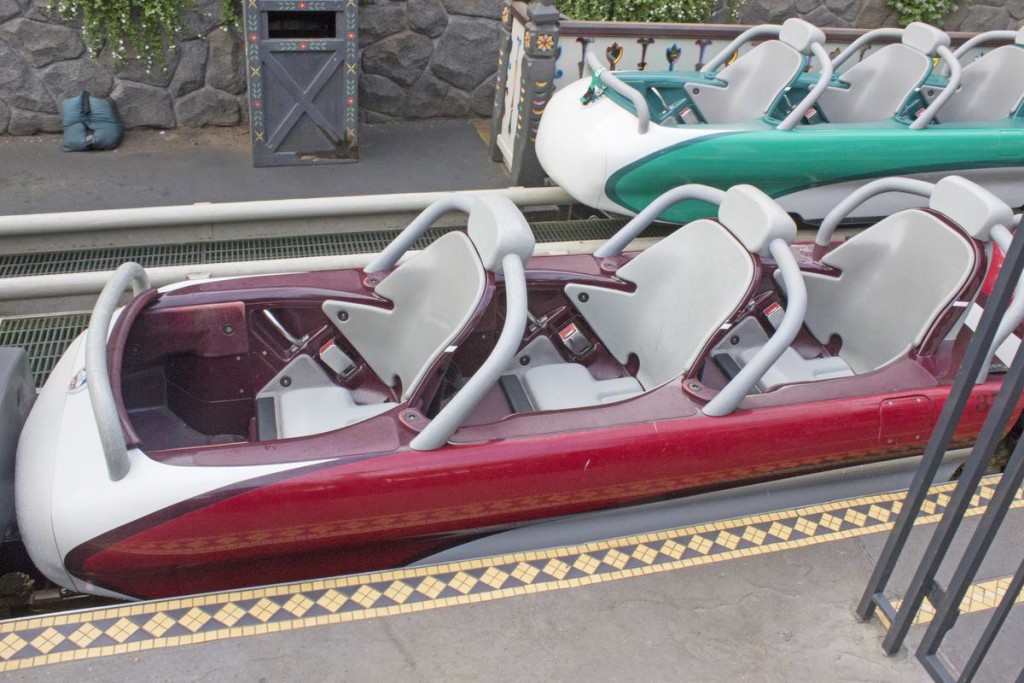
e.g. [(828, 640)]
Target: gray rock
[(207, 107), (40, 43), (402, 57), (846, 10), (380, 21), (8, 10), (721, 15), (821, 16), (205, 16), (475, 8), (427, 16), (805, 6), (425, 98), (466, 53), (43, 10), (134, 68), (953, 20), (226, 66), (982, 18), (380, 94), (143, 106), (67, 79), (243, 109), (456, 105), (24, 122), (20, 85), (483, 98), (5, 116), (191, 72), (875, 15), (765, 12), (1016, 9), (375, 117)]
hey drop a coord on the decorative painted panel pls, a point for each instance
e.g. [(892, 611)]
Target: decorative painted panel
[(303, 70)]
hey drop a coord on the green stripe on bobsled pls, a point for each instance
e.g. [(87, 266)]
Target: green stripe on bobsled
[(783, 162)]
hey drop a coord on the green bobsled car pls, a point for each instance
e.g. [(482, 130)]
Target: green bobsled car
[(801, 127)]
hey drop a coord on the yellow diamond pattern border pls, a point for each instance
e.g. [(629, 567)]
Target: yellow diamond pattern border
[(38, 641), (980, 597)]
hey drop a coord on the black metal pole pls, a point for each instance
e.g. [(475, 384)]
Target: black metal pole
[(993, 626), (977, 354), (948, 608)]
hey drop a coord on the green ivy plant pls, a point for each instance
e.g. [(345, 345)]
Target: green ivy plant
[(928, 11), (683, 11), (145, 28)]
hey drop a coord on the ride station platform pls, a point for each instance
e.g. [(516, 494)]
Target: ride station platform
[(763, 597)]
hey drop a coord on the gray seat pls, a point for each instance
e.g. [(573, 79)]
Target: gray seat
[(426, 305), (898, 276), (991, 87), (433, 296), (309, 402), (756, 80), (876, 88), (686, 287)]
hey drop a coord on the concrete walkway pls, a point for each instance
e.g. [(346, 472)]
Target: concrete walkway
[(165, 168)]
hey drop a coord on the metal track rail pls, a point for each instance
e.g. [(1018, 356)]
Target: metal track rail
[(247, 212)]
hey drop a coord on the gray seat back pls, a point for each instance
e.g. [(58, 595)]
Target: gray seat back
[(433, 296), (687, 286), (880, 83), (991, 87), (755, 80), (896, 278)]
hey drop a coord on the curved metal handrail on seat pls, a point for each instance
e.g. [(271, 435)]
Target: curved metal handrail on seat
[(791, 120), (999, 234), (445, 423), (739, 386), (104, 408), (643, 112), (387, 258), (948, 58), (627, 233), (450, 418), (975, 41)]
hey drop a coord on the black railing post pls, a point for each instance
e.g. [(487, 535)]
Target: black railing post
[(977, 353), (947, 610)]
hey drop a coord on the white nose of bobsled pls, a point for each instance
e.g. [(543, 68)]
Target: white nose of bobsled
[(571, 143)]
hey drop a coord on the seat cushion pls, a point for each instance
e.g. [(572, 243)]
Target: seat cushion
[(570, 385), (311, 403), (321, 409)]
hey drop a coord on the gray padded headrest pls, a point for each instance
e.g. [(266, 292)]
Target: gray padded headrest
[(970, 206), (800, 35), (924, 37), (497, 228), (754, 218)]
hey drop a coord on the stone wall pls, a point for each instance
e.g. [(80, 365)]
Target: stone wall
[(43, 61), (420, 59), (428, 58)]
